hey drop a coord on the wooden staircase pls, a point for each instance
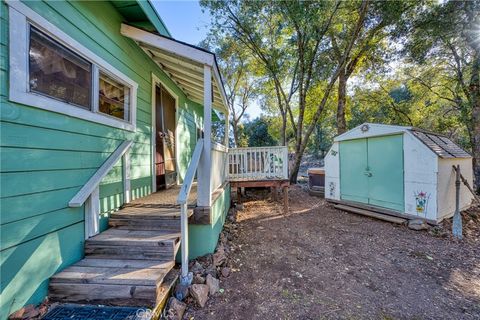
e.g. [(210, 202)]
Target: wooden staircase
[(129, 264)]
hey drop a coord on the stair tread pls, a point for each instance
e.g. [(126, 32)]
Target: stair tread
[(125, 263), (371, 214), (150, 212), (127, 237), (108, 275)]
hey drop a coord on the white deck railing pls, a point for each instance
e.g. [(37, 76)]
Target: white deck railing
[(218, 175), (258, 163)]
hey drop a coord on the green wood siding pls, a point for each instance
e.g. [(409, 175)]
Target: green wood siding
[(46, 157)]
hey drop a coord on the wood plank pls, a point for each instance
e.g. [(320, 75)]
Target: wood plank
[(99, 275), (259, 183), (164, 290), (21, 183), (103, 293), (117, 237), (135, 253), (20, 231), (26, 136), (142, 224), (371, 214), (125, 263), (379, 210), (285, 199)]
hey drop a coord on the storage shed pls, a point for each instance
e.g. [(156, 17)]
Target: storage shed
[(401, 170)]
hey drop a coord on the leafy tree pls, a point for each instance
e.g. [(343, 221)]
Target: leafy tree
[(258, 133), (289, 39), (445, 38), (371, 47), (240, 86)]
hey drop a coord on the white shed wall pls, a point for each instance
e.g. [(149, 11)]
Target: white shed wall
[(332, 173), (420, 176), (446, 186)]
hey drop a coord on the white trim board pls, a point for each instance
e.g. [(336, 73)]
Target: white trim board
[(20, 17)]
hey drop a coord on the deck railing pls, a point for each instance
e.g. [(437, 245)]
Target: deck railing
[(219, 163), (258, 163)]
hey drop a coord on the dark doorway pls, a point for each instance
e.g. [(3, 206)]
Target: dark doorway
[(165, 153)]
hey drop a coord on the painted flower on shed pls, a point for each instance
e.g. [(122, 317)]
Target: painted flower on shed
[(421, 199)]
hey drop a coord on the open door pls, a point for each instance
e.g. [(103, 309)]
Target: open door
[(165, 153)]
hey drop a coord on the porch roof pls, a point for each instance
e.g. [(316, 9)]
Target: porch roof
[(184, 63)]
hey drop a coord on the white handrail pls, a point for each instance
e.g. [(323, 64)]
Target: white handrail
[(190, 175), (79, 199), (182, 200)]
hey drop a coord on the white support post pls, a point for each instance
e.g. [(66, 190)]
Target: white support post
[(92, 213), (205, 167), (126, 177), (184, 244), (285, 163)]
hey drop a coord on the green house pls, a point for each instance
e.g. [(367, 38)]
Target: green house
[(102, 110)]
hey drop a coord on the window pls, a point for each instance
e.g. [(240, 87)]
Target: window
[(114, 97), (57, 72), (52, 71)]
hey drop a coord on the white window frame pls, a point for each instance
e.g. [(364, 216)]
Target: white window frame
[(20, 19)]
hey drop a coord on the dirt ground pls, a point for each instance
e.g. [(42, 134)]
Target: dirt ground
[(317, 262)]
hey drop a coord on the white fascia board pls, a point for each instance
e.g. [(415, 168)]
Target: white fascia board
[(166, 44), (375, 130), (220, 87)]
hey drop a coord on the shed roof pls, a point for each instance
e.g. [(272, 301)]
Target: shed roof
[(441, 145)]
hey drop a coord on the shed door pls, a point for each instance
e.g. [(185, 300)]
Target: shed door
[(385, 161), (371, 171), (353, 161)]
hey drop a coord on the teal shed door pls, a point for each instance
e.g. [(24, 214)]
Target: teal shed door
[(371, 171), (353, 161)]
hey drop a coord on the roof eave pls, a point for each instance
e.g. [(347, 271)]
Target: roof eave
[(170, 45)]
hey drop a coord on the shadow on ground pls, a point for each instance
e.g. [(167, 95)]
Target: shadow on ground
[(320, 263)]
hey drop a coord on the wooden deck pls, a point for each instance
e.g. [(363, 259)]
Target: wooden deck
[(132, 262)]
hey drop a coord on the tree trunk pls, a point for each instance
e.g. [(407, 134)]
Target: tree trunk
[(475, 101), (235, 133), (342, 98), (283, 134), (299, 150)]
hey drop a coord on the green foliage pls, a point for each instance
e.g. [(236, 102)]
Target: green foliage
[(258, 134), (413, 63)]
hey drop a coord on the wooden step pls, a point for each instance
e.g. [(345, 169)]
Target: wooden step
[(125, 263), (371, 214), (133, 244), (116, 286), (127, 223), (149, 212), (129, 264), (116, 237)]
